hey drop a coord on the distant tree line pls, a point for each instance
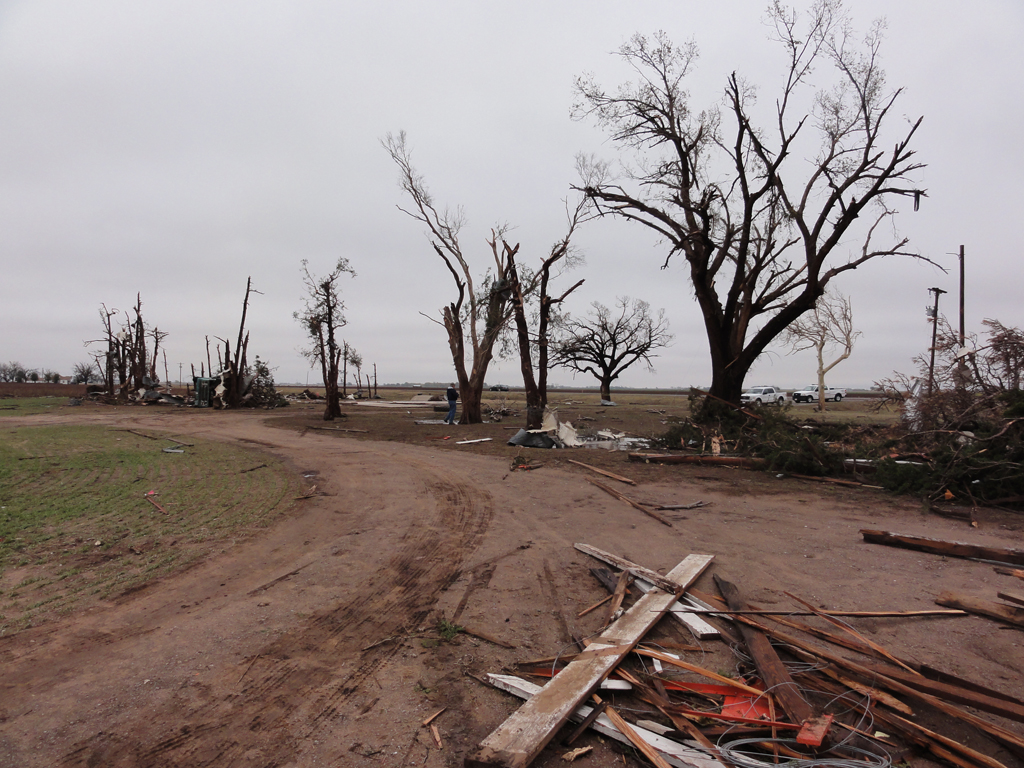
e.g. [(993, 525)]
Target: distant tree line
[(18, 373)]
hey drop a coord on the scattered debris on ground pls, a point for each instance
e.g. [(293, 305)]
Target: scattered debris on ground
[(797, 702)]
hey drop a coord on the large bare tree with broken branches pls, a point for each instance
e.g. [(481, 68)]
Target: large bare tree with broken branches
[(475, 320), (764, 213), (606, 343), (125, 363), (827, 329)]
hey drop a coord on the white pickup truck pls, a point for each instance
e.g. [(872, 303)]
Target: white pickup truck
[(763, 396), (809, 394)]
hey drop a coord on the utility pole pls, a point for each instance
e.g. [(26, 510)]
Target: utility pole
[(935, 332), (963, 334), (961, 355)]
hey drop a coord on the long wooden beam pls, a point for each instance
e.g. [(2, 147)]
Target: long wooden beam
[(948, 548), (769, 666), (987, 608), (1000, 734), (946, 692), (517, 741)]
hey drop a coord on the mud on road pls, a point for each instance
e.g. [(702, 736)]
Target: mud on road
[(316, 644)]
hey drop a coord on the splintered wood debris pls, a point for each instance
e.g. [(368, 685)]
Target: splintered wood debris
[(797, 703)]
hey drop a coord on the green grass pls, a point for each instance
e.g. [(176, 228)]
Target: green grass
[(28, 406), (65, 488)]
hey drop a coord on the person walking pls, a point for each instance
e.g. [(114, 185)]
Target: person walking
[(453, 398)]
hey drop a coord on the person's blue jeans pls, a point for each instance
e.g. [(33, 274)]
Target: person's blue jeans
[(450, 418)]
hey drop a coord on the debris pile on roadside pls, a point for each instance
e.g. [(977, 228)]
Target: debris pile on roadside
[(555, 433), (797, 701)]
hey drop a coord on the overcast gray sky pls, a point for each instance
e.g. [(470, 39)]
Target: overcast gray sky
[(175, 148)]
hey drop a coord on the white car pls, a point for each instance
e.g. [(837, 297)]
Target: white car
[(763, 395)]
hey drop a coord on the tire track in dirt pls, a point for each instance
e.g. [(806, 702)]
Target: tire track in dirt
[(304, 681)]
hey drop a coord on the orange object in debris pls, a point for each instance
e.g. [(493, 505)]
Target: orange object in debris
[(814, 731), (743, 705)]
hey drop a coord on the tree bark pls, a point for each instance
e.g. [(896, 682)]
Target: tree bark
[(534, 402)]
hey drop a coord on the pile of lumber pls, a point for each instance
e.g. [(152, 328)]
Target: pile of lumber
[(810, 688)]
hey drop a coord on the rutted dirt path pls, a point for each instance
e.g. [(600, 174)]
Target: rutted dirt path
[(293, 609), (304, 645)]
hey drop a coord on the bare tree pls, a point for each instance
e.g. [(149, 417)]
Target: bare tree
[(83, 373), (828, 328), (322, 318), (13, 371), (481, 311), (125, 364), (606, 343), (536, 386), (356, 360), (235, 374), (762, 214)]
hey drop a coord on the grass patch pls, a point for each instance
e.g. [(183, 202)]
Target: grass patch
[(75, 518), (30, 406), (448, 630)]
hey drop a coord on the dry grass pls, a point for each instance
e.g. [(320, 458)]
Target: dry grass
[(75, 520)]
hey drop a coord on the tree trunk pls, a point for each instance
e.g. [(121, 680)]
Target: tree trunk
[(331, 396), (606, 389), (727, 383), (332, 408), (471, 395), (534, 401)]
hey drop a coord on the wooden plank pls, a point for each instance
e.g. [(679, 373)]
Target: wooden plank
[(931, 673), (927, 737), (635, 739), (946, 692), (489, 638), (1017, 572), (1011, 597), (623, 564), (673, 661), (699, 628), (851, 631), (769, 666), (724, 461), (948, 548), (585, 723), (834, 480), (617, 596), (986, 608), (872, 693), (517, 741), (635, 505), (604, 472), (675, 753), (999, 733), (686, 614), (694, 505)]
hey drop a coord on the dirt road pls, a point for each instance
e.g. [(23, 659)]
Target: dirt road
[(312, 644)]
